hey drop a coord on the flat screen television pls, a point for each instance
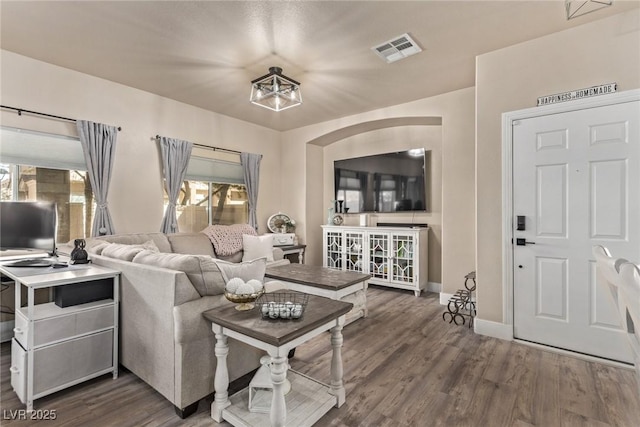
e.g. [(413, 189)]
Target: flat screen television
[(388, 182), (28, 226)]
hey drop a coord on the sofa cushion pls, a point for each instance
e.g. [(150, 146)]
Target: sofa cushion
[(160, 239), (244, 270), (200, 269), (127, 252), (191, 243), (255, 247), (237, 257), (96, 246)]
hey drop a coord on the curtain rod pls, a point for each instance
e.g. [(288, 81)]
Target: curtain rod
[(211, 148), (22, 110)]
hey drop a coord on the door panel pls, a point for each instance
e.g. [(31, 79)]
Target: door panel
[(552, 201), (551, 288), (572, 175), (608, 207), (602, 314)]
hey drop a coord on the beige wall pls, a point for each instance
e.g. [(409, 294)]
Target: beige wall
[(454, 225), (510, 79), (135, 196)]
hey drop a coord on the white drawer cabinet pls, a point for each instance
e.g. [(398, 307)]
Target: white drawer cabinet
[(57, 347), (394, 256), (55, 324)]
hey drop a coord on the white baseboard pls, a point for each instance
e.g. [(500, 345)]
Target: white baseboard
[(493, 329), (6, 330), (444, 298), (434, 287)]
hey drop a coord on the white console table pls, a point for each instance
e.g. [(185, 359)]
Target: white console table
[(56, 347)]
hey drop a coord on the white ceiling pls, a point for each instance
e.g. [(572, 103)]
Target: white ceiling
[(205, 53)]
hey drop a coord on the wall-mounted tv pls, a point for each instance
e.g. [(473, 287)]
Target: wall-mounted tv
[(28, 226), (389, 182)]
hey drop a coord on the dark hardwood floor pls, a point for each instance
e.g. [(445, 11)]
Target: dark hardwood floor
[(403, 366)]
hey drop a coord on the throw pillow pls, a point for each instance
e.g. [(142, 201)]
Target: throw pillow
[(96, 246), (127, 252), (201, 270), (244, 270), (255, 247)]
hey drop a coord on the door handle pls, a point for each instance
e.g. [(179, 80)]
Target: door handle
[(522, 242)]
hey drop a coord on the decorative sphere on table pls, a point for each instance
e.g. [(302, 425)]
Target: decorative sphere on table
[(243, 294)]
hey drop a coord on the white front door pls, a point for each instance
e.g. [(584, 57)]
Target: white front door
[(576, 182)]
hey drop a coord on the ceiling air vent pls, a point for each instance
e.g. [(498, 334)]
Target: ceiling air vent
[(398, 48)]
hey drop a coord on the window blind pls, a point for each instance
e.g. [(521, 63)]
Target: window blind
[(25, 147), (214, 170)]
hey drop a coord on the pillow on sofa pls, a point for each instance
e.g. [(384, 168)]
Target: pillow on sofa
[(201, 270), (96, 247), (244, 270), (127, 252), (255, 247)]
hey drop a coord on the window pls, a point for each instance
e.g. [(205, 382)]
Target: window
[(214, 193), (203, 203), (69, 189), (40, 166)]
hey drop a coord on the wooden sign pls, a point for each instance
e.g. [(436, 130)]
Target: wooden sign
[(578, 94)]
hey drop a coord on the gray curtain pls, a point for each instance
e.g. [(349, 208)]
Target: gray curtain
[(251, 168), (99, 147), (175, 159)]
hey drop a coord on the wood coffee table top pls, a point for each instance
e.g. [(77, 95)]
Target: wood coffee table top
[(321, 277), (319, 310)]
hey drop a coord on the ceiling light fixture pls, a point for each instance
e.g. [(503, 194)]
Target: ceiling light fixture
[(275, 91), (577, 8)]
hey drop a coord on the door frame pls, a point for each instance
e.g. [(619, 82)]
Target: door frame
[(508, 120)]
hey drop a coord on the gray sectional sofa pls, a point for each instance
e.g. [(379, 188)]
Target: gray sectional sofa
[(164, 339)]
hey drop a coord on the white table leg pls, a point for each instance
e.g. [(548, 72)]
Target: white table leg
[(337, 386), (365, 311), (301, 256), (278, 368), (221, 379)]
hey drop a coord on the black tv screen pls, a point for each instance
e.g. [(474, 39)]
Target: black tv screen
[(389, 182), (28, 226)]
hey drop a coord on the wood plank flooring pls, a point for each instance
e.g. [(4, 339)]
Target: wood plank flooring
[(403, 366)]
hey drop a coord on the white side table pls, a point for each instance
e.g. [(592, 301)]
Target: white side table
[(309, 399)]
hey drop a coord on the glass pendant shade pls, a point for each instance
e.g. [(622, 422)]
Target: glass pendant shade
[(275, 91)]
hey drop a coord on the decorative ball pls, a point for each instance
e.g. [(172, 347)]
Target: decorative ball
[(232, 285), (244, 289), (256, 284)]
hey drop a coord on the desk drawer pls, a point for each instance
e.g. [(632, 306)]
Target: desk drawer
[(60, 364), (64, 326)]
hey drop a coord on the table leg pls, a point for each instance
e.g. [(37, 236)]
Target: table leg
[(221, 379), (301, 256), (278, 366), (337, 386), (366, 310)]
